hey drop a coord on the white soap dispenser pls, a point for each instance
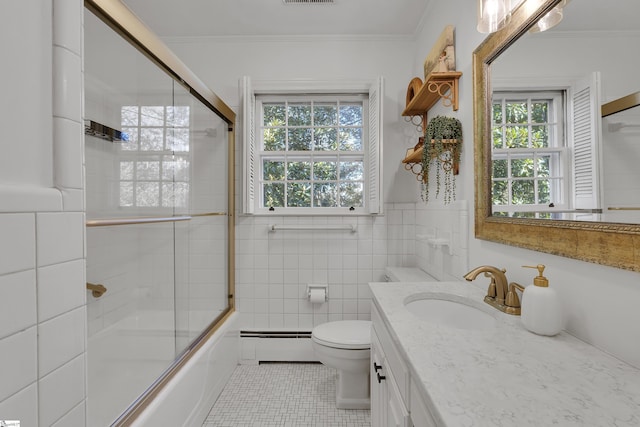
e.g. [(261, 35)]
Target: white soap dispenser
[(541, 311)]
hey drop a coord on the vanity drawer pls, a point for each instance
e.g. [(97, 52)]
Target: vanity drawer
[(394, 361)]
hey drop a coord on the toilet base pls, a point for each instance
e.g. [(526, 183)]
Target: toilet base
[(352, 390)]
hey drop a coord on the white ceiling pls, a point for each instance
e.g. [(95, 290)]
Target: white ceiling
[(188, 18), (209, 18)]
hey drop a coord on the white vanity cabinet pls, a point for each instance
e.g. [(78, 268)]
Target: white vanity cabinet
[(392, 394)]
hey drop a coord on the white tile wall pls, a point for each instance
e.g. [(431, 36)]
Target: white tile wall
[(61, 390), (22, 406), (18, 243), (17, 293), (19, 363), (42, 245), (273, 269)]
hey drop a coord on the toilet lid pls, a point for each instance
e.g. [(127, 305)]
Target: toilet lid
[(347, 334)]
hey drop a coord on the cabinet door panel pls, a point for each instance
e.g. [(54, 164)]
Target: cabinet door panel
[(397, 414)]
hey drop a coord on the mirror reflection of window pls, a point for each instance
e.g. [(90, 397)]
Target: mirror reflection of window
[(529, 154)]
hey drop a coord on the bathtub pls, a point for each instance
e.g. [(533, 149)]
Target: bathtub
[(127, 357)]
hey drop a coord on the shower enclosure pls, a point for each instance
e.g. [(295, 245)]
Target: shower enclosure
[(158, 157)]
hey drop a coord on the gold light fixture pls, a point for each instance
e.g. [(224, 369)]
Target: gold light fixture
[(493, 15), (551, 19)]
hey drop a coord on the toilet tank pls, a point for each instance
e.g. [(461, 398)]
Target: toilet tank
[(407, 274)]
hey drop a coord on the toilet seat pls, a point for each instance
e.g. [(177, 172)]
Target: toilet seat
[(344, 334)]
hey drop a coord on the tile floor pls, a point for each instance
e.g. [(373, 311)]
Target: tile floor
[(282, 394)]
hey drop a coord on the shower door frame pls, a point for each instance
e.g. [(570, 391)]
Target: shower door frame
[(127, 25)]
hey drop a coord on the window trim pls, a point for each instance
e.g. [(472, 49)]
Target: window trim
[(372, 158)]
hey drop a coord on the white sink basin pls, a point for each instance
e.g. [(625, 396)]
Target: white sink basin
[(450, 313)]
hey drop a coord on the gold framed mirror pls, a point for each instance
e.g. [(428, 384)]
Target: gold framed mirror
[(613, 244)]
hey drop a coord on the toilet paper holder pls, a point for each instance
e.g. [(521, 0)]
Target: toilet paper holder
[(323, 288)]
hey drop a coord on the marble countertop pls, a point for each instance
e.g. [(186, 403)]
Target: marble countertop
[(506, 376)]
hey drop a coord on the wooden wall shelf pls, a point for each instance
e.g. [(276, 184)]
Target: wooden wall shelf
[(413, 161), (435, 87)]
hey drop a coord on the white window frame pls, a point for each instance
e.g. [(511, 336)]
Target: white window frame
[(372, 141)]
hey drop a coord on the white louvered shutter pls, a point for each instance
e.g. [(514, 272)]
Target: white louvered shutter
[(585, 134), (248, 100), (376, 97)]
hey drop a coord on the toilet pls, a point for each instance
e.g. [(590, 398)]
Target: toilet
[(345, 345)]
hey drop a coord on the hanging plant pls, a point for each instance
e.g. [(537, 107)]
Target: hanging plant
[(443, 146)]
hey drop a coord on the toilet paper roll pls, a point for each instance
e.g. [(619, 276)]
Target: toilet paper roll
[(317, 295)]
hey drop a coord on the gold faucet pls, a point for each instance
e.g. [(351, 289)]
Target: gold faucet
[(501, 294)]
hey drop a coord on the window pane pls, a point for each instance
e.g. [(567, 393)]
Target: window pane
[(543, 166), (126, 170), (298, 194), (351, 115), (152, 116), (539, 112), (297, 171), (516, 112), (325, 115), (129, 116), (544, 191), (500, 168), (351, 194), (497, 113), (178, 116), (273, 195), (273, 170), (326, 139), (299, 139), (126, 193), (177, 139), (352, 171), (147, 194), (274, 114), (325, 194), (148, 171), (350, 139), (175, 194), (175, 168), (539, 136), (497, 137), (500, 193), (299, 114), (132, 143), (522, 168), (274, 139), (151, 139), (517, 136), (325, 171), (522, 192)]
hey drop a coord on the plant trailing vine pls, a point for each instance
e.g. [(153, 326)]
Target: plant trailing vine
[(443, 145)]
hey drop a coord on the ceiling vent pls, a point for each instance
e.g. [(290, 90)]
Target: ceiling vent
[(308, 1)]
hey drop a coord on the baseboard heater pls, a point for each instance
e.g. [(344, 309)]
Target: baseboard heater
[(275, 334), (276, 346)]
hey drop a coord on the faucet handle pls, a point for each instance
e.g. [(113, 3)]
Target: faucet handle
[(491, 291), (512, 301)]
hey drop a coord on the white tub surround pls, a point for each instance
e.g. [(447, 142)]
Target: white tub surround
[(506, 376)]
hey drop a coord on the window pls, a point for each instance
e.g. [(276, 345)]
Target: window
[(530, 158), (312, 153), (154, 164)]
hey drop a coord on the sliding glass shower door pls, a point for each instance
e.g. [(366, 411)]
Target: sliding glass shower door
[(157, 195)]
